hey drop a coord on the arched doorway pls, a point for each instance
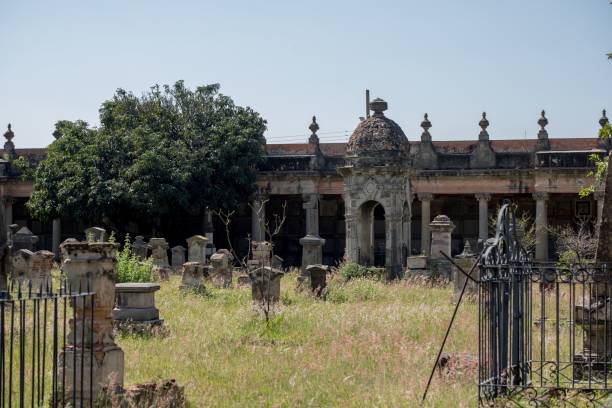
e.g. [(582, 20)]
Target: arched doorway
[(372, 234)]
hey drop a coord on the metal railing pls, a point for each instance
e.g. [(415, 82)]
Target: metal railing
[(43, 328)]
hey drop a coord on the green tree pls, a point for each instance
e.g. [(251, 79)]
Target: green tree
[(172, 149)]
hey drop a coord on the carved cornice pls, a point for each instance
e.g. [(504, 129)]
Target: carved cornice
[(540, 196), (425, 196), (483, 196)]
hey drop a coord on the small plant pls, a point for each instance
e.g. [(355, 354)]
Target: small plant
[(130, 268), (352, 270)]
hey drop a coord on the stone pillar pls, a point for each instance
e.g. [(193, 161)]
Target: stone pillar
[(351, 249), (92, 265), (56, 238), (393, 246), (209, 232), (258, 219), (312, 244), (599, 197), (425, 199), (8, 209), (441, 229), (541, 223), (483, 215)]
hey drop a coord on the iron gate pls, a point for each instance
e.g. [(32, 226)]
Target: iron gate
[(544, 330), (38, 330)]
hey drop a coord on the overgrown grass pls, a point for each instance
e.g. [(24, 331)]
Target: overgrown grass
[(369, 344)]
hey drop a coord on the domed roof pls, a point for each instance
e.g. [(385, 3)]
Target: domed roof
[(378, 135)]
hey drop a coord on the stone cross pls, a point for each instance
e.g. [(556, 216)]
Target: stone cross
[(178, 257), (140, 248), (197, 249), (91, 265)]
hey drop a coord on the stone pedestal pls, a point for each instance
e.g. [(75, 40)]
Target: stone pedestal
[(441, 228), (221, 273), (24, 239), (312, 250), (178, 257), (417, 265), (261, 252), (193, 277), (466, 261), (140, 248), (92, 265), (265, 284), (197, 249), (136, 304), (33, 269)]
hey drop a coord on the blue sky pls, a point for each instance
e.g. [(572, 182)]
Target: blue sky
[(289, 60)]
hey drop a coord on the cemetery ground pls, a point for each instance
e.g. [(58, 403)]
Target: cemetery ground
[(370, 343)]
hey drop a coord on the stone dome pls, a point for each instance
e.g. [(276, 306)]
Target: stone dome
[(378, 136)]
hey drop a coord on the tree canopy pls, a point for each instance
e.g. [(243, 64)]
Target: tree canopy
[(171, 149)]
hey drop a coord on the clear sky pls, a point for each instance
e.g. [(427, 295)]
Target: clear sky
[(292, 59)]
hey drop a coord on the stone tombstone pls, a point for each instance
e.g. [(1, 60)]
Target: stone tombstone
[(193, 277), (441, 228), (221, 273), (178, 257), (317, 274), (95, 234), (197, 249), (417, 265), (140, 249), (91, 265), (24, 239), (136, 304), (311, 250), (466, 261), (265, 284), (159, 252), (262, 251), (33, 269)]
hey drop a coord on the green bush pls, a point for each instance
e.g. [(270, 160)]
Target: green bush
[(130, 268), (351, 270)]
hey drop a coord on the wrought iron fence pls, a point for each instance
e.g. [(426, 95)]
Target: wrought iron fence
[(545, 329), (42, 325)]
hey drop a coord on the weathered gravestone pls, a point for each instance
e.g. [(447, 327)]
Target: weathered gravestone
[(159, 256), (317, 276), (465, 260), (193, 277), (33, 269), (95, 234), (23, 239), (262, 252), (221, 272), (140, 249), (265, 284), (441, 228), (178, 257), (197, 249)]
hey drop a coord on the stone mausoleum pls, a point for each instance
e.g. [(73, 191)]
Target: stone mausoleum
[(372, 199)]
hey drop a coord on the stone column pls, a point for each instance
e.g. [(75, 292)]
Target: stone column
[(258, 219), (393, 246), (56, 238), (599, 197), (8, 209), (425, 199), (483, 215), (351, 255), (312, 244), (209, 231), (541, 223), (92, 265)]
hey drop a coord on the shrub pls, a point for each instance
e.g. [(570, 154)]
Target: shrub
[(130, 268), (351, 270)]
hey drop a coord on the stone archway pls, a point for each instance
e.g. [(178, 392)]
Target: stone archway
[(371, 234)]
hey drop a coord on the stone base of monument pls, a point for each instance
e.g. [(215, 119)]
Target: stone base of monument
[(417, 266), (135, 307)]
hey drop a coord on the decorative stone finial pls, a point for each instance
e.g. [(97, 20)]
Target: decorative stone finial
[(378, 106), (9, 146), (9, 135), (484, 124), (543, 121), (314, 126), (426, 125), (602, 122)]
